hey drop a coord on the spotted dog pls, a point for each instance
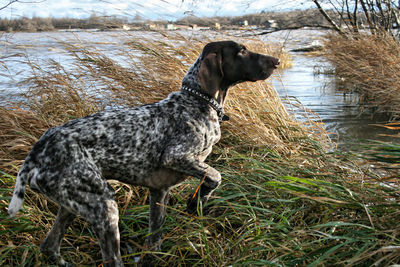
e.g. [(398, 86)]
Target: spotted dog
[(156, 145)]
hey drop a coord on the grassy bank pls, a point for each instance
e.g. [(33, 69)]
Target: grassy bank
[(369, 65), (283, 201)]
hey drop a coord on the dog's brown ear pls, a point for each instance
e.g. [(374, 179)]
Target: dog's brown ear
[(210, 73)]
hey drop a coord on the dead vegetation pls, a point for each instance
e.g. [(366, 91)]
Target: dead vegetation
[(152, 69), (282, 202), (369, 65)]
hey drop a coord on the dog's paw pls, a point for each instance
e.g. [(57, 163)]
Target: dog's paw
[(193, 206), (147, 260), (125, 248), (54, 259)]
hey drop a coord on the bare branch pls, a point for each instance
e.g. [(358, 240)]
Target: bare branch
[(327, 17), (23, 2), (368, 16), (355, 20), (9, 3)]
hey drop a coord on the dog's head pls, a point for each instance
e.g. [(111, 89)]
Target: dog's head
[(226, 63)]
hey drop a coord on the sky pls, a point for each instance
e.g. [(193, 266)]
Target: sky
[(147, 9)]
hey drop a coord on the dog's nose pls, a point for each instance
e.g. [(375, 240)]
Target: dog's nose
[(277, 62), (269, 62)]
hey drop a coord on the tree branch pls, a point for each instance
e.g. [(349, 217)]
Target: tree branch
[(367, 15), (334, 25), (9, 3), (23, 2)]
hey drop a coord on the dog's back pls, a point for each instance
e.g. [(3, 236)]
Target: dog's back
[(122, 144)]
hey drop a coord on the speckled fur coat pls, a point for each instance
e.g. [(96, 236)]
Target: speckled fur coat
[(156, 145), (129, 145)]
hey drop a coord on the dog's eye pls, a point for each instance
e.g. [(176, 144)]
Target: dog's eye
[(243, 51)]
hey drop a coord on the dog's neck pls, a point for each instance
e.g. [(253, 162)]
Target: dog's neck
[(209, 100), (191, 85), (191, 81)]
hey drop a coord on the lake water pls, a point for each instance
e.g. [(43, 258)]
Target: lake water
[(316, 92), (320, 93)]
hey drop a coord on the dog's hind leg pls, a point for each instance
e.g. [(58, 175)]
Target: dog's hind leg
[(158, 203), (82, 190), (107, 231), (51, 244)]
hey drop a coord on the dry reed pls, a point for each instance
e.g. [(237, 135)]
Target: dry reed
[(271, 209), (369, 65), (151, 69)]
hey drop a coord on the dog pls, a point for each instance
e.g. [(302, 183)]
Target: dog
[(156, 145)]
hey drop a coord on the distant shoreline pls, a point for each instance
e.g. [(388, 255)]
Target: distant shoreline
[(146, 27), (259, 21)]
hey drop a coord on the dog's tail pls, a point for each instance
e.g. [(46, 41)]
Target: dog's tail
[(19, 191)]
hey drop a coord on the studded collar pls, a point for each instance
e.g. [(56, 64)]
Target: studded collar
[(211, 101)]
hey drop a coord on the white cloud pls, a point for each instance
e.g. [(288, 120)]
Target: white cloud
[(151, 9)]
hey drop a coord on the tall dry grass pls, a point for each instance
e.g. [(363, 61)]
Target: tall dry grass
[(147, 71), (369, 65), (283, 202)]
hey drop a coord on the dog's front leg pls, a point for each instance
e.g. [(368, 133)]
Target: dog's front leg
[(158, 203), (211, 178)]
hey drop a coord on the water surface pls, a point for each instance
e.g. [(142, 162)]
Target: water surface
[(316, 92)]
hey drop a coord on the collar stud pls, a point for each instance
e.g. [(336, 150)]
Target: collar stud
[(211, 101)]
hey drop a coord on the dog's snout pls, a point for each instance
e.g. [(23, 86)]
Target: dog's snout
[(277, 61), (270, 62)]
